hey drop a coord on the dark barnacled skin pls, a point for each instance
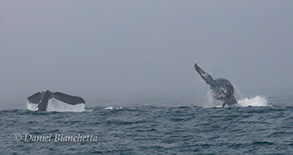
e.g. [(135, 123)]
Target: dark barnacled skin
[(222, 89)]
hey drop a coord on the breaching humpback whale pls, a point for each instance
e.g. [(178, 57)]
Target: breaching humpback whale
[(222, 89), (54, 101)]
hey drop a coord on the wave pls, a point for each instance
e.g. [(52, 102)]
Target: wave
[(112, 108), (256, 101)]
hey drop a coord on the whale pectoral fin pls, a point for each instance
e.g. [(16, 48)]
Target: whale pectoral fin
[(223, 105), (204, 75)]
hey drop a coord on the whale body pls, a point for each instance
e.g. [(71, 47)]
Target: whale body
[(222, 89), (54, 101)]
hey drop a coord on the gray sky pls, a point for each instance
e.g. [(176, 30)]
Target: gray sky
[(134, 45)]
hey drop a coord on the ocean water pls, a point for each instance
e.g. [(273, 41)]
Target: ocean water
[(262, 125)]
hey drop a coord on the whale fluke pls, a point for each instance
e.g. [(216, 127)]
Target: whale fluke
[(54, 101)]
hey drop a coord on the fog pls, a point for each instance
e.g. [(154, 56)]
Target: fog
[(136, 46)]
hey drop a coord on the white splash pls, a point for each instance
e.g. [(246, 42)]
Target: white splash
[(237, 92), (254, 101), (211, 101), (111, 108)]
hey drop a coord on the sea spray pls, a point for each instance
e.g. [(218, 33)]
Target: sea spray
[(237, 91), (254, 101), (212, 102), (244, 102)]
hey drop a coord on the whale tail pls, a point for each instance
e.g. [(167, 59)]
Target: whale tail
[(54, 101)]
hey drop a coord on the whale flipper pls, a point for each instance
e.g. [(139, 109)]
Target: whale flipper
[(204, 75)]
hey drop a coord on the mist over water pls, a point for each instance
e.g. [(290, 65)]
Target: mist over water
[(128, 46)]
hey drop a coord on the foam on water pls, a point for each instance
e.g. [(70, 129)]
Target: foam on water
[(254, 101), (112, 108)]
